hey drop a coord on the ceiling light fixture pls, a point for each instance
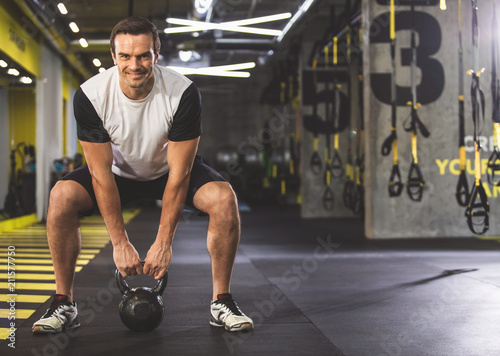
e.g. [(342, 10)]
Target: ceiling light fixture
[(300, 12), (102, 69), (74, 27), (83, 43), (185, 56), (13, 71), (221, 71), (62, 8), (26, 80), (235, 26), (96, 62), (3, 63)]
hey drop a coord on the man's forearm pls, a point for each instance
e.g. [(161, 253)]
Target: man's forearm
[(172, 205), (108, 200)]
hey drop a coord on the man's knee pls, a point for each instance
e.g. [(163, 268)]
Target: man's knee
[(69, 195), (224, 201)]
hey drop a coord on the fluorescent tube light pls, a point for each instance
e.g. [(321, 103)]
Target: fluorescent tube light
[(302, 10)]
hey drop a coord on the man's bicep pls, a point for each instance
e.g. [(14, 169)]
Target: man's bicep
[(180, 155), (99, 156)]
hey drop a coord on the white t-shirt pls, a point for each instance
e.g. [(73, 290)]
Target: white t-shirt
[(139, 130)]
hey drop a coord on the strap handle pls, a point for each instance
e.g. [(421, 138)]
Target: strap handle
[(462, 192), (395, 182), (328, 199), (478, 210), (415, 184)]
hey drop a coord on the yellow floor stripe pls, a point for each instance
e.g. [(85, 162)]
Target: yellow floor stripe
[(38, 261), (47, 255), (30, 286), (4, 333), (34, 268), (25, 276), (46, 250), (20, 313), (25, 298), (34, 244), (19, 222)]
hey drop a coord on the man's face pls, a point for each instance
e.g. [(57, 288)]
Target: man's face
[(134, 57)]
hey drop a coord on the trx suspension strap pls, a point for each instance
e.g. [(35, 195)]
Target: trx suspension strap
[(315, 162), (462, 192), (478, 209), (358, 199), (328, 192), (349, 185), (415, 183), (493, 170), (336, 163), (391, 142)]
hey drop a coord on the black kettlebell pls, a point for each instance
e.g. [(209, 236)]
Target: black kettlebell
[(141, 308)]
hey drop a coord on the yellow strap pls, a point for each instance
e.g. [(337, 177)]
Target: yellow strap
[(292, 167), (462, 158), (283, 187), (477, 165), (496, 134), (358, 178), (315, 144), (326, 56), (327, 155), (349, 172), (395, 158), (393, 21), (461, 98), (290, 86), (328, 177), (336, 141), (275, 170), (335, 50), (442, 4), (414, 147)]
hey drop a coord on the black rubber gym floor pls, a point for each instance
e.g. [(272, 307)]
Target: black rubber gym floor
[(313, 287)]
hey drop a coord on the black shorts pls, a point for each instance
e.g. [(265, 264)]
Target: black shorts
[(133, 190)]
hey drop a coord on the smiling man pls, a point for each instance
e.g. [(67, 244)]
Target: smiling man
[(139, 125)]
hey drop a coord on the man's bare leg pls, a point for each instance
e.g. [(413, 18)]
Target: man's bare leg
[(218, 200), (67, 199)]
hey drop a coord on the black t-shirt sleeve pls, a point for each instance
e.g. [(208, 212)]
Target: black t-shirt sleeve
[(89, 124), (187, 119)]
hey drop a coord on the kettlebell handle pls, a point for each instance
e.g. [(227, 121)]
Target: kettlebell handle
[(124, 287)]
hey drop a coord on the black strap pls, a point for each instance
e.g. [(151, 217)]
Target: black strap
[(348, 194), (478, 210), (328, 199), (493, 170), (315, 163), (462, 193), (395, 182), (415, 184)]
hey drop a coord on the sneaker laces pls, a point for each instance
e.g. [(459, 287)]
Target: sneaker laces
[(229, 302), (57, 302)]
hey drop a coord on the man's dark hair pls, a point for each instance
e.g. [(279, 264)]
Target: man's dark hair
[(135, 25)]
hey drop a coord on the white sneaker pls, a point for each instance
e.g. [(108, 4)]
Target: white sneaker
[(61, 315), (225, 313)]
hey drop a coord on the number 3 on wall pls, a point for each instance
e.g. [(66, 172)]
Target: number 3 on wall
[(429, 39)]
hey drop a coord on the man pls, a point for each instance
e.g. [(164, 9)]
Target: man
[(139, 125)]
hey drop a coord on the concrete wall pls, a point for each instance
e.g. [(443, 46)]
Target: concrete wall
[(438, 214)]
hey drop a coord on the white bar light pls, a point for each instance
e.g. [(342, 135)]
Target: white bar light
[(3, 63), (83, 43), (96, 62), (235, 26), (301, 11), (221, 71), (13, 71), (26, 80), (74, 27), (62, 8)]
